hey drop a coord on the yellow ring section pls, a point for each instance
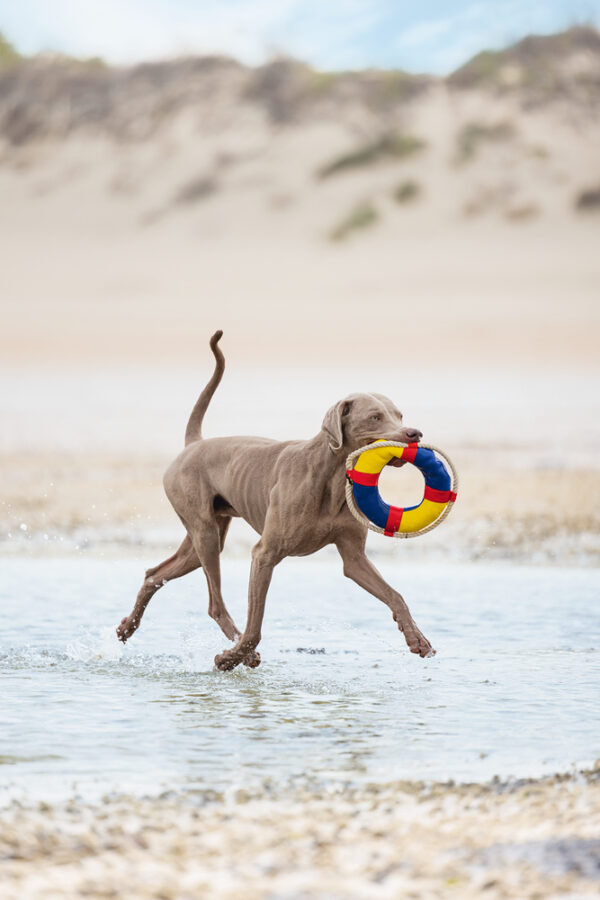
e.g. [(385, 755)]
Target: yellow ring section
[(422, 516), (373, 461)]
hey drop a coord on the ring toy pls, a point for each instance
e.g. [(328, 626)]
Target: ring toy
[(363, 468)]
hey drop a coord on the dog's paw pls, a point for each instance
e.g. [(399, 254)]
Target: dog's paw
[(420, 646), (418, 643), (226, 661), (252, 660), (127, 627)]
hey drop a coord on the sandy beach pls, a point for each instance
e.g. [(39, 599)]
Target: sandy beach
[(522, 840)]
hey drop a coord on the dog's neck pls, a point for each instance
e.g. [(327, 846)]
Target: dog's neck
[(327, 474), (329, 466), (325, 457)]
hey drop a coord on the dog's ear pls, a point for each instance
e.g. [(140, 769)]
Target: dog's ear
[(333, 424)]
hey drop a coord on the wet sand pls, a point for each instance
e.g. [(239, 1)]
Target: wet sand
[(528, 839), (66, 502)]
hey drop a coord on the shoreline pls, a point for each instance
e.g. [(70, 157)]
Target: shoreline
[(150, 548)]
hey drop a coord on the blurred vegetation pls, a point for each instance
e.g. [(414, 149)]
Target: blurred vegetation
[(323, 82), (389, 146), (522, 212), (393, 86), (481, 70), (473, 134), (588, 200), (92, 62), (288, 88), (196, 190), (362, 216), (52, 95), (8, 54), (538, 151), (534, 65), (406, 191)]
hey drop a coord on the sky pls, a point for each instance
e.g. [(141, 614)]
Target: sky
[(427, 36)]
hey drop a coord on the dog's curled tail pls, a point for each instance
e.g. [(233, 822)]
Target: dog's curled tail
[(193, 432)]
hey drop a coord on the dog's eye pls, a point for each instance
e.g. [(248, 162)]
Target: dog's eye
[(376, 418)]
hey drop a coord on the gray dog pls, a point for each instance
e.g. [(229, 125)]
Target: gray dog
[(290, 492)]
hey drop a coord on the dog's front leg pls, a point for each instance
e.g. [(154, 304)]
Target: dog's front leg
[(360, 569), (263, 563)]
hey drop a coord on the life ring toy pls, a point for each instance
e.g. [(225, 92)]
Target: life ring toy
[(363, 468)]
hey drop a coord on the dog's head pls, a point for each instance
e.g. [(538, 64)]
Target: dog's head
[(360, 419)]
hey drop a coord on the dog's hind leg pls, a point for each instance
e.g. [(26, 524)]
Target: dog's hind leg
[(183, 561), (209, 538)]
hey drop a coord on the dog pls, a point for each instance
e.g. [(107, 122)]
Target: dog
[(291, 493)]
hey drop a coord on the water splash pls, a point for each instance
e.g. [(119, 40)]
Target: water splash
[(104, 645)]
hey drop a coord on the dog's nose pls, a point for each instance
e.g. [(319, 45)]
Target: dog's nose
[(413, 434)]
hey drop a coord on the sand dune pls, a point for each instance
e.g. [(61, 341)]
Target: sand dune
[(142, 207)]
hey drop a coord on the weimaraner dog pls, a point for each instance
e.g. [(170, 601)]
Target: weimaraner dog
[(290, 492)]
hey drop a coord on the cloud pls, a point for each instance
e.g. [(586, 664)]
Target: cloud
[(126, 30), (339, 35), (424, 32)]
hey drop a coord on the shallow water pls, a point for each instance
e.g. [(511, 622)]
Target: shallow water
[(513, 690)]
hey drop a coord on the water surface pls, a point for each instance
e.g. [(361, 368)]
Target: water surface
[(513, 690)]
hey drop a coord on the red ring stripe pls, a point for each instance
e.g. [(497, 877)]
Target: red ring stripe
[(437, 496), (410, 452), (393, 520), (367, 478)]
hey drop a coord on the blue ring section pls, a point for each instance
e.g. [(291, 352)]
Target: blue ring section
[(369, 500), (435, 472)]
